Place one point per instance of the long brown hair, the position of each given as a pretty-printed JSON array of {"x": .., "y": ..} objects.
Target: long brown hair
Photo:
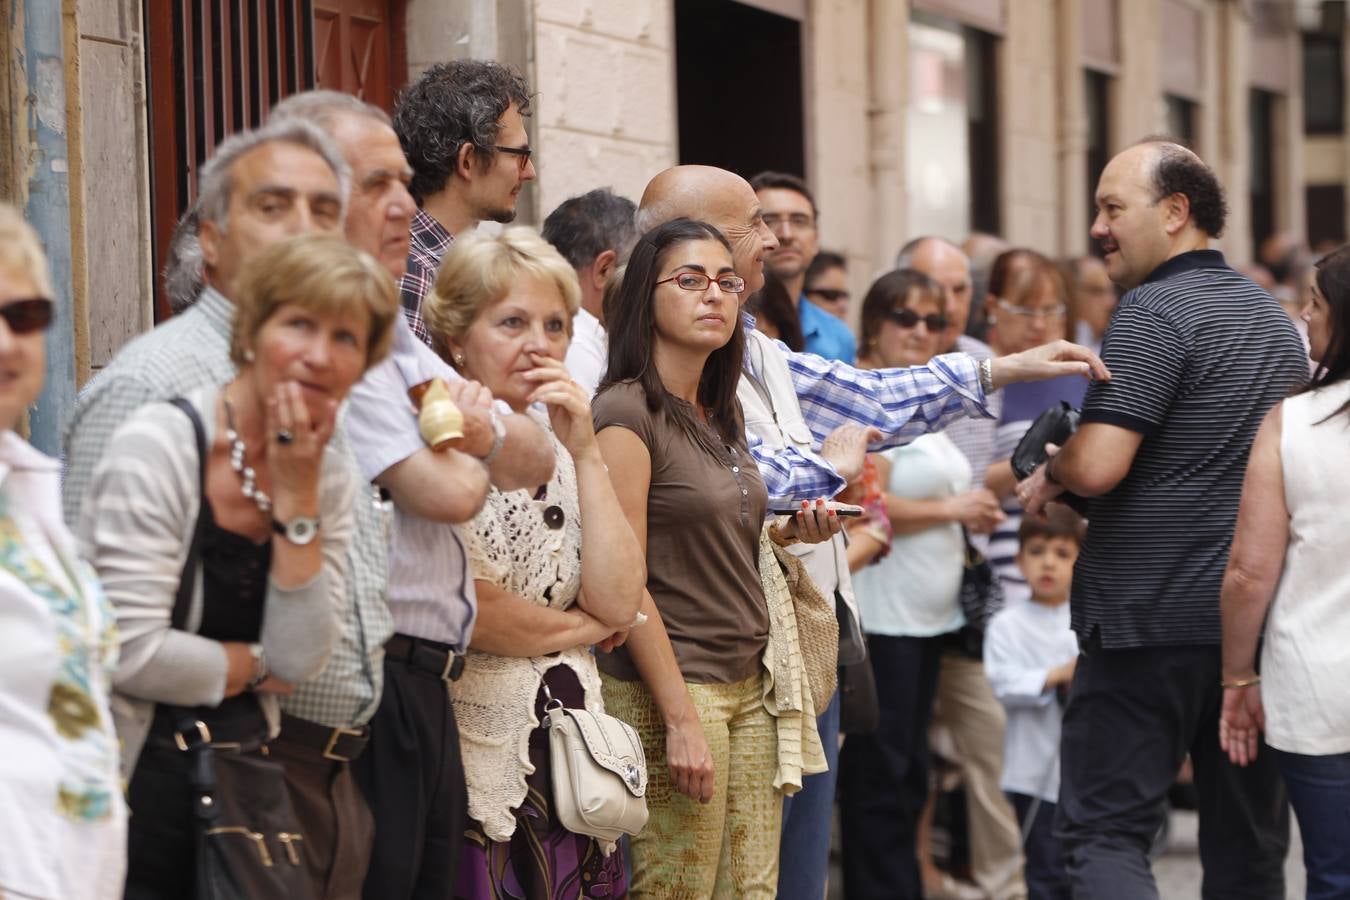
[
  {"x": 631, "y": 322},
  {"x": 1333, "y": 280}
]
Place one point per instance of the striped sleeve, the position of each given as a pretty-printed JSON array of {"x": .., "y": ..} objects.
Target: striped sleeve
[{"x": 1147, "y": 359}]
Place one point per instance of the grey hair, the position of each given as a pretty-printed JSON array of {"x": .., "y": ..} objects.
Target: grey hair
[
  {"x": 323, "y": 107},
  {"x": 584, "y": 227},
  {"x": 652, "y": 215},
  {"x": 453, "y": 104},
  {"x": 905, "y": 258},
  {"x": 184, "y": 272},
  {"x": 215, "y": 183}
]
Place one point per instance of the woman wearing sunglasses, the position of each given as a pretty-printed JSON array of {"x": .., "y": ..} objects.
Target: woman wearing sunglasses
[
  {"x": 910, "y": 599},
  {"x": 556, "y": 570},
  {"x": 62, "y": 820}
]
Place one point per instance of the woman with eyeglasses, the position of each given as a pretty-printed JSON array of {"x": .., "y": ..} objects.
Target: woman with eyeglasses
[
  {"x": 62, "y": 820},
  {"x": 1027, "y": 305},
  {"x": 692, "y": 679},
  {"x": 556, "y": 570},
  {"x": 909, "y": 599}
]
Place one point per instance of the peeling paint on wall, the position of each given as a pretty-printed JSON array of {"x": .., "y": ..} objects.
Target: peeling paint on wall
[{"x": 50, "y": 96}]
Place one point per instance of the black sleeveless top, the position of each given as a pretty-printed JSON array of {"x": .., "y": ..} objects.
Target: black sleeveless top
[{"x": 234, "y": 572}]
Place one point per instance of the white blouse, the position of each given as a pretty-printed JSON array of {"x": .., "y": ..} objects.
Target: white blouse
[
  {"x": 1307, "y": 648},
  {"x": 915, "y": 590},
  {"x": 62, "y": 819}
]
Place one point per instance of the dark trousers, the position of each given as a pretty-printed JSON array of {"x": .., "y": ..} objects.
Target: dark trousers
[
  {"x": 334, "y": 819},
  {"x": 1319, "y": 789},
  {"x": 804, "y": 851},
  {"x": 883, "y": 776},
  {"x": 1132, "y": 717},
  {"x": 413, "y": 778},
  {"x": 1047, "y": 879}
]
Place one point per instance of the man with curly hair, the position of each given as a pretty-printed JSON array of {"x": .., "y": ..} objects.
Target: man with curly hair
[
  {"x": 462, "y": 127},
  {"x": 1198, "y": 354}
]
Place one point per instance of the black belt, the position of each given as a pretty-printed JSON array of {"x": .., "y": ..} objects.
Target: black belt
[
  {"x": 336, "y": 744},
  {"x": 439, "y": 659}
]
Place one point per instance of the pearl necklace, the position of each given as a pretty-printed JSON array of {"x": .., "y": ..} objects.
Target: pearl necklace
[{"x": 247, "y": 476}]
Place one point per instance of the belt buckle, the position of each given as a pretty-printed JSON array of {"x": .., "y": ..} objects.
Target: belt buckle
[
  {"x": 333, "y": 738},
  {"x": 448, "y": 673}
]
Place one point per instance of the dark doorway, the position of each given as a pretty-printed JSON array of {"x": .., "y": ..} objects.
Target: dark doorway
[
  {"x": 1097, "y": 102},
  {"x": 982, "y": 129},
  {"x": 1261, "y": 122},
  {"x": 738, "y": 74},
  {"x": 1326, "y": 215}
]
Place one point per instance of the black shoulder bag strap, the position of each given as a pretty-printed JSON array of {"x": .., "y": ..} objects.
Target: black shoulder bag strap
[
  {"x": 187, "y": 581},
  {"x": 192, "y": 736}
]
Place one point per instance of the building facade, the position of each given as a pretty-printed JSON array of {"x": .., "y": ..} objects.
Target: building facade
[{"x": 907, "y": 116}]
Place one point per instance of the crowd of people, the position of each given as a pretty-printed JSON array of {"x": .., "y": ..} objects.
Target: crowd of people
[{"x": 335, "y": 555}]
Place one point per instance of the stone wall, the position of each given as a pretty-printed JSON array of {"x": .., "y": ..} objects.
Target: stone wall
[{"x": 605, "y": 76}]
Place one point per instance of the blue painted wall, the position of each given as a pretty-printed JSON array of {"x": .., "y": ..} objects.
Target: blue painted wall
[{"x": 48, "y": 207}]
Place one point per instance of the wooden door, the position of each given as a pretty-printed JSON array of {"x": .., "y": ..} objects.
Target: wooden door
[{"x": 358, "y": 48}]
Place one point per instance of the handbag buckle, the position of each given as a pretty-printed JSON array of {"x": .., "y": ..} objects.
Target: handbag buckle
[
  {"x": 203, "y": 733},
  {"x": 549, "y": 702}
]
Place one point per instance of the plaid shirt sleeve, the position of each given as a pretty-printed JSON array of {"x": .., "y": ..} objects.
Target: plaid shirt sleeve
[
  {"x": 99, "y": 411},
  {"x": 791, "y": 474},
  {"x": 901, "y": 403},
  {"x": 412, "y": 287}
]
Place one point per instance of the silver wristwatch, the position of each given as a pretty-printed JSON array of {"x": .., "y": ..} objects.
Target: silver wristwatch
[
  {"x": 300, "y": 530},
  {"x": 259, "y": 666}
]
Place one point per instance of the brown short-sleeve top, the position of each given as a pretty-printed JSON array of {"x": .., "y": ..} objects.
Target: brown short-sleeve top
[{"x": 704, "y": 515}]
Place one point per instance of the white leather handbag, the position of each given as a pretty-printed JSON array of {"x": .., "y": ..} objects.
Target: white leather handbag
[{"x": 599, "y": 773}]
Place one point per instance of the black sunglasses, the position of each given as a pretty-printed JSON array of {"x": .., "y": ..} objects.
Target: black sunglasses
[
  {"x": 26, "y": 316},
  {"x": 908, "y": 318},
  {"x": 830, "y": 294}
]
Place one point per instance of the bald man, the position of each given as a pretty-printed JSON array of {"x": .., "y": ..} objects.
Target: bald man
[
  {"x": 805, "y": 417},
  {"x": 1199, "y": 354}
]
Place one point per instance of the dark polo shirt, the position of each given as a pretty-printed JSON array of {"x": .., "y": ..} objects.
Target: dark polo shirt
[{"x": 1198, "y": 354}]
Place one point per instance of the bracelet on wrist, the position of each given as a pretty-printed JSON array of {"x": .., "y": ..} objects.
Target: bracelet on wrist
[
  {"x": 987, "y": 375},
  {"x": 1240, "y": 683}
]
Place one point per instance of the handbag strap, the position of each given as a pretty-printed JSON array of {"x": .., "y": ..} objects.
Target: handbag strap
[
  {"x": 188, "y": 579},
  {"x": 192, "y": 739}
]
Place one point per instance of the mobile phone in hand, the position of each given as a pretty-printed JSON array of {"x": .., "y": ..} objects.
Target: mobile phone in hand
[{"x": 840, "y": 509}]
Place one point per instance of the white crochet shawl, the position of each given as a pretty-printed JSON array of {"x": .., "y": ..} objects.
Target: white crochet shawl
[{"x": 510, "y": 546}]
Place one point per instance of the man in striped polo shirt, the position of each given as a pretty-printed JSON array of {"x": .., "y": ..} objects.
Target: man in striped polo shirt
[{"x": 1198, "y": 354}]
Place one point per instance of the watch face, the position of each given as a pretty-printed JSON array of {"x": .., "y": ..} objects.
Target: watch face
[{"x": 301, "y": 530}]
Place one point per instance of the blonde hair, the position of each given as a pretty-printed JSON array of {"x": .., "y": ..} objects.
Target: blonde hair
[
  {"x": 319, "y": 273},
  {"x": 479, "y": 270},
  {"x": 21, "y": 251}
]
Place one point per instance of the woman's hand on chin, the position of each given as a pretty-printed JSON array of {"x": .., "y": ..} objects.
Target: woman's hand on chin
[
  {"x": 569, "y": 407},
  {"x": 295, "y": 448}
]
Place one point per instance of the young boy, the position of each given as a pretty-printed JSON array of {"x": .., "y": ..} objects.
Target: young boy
[{"x": 1029, "y": 656}]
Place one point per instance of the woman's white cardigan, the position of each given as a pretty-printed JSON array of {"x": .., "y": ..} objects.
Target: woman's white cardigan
[{"x": 135, "y": 528}]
